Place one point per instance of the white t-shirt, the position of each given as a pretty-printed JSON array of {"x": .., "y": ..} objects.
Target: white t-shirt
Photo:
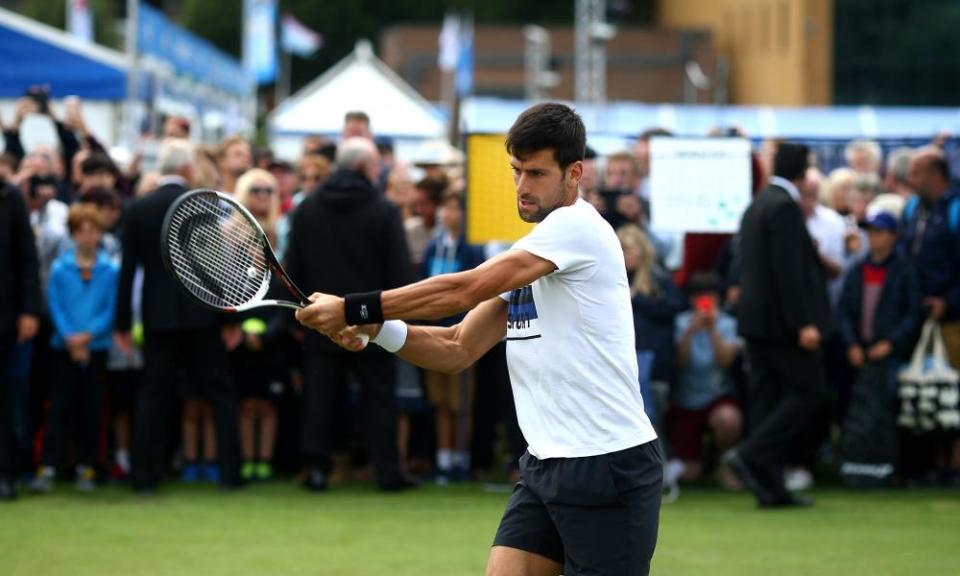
[{"x": 570, "y": 342}]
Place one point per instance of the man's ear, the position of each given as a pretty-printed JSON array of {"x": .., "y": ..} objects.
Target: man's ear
[{"x": 575, "y": 172}]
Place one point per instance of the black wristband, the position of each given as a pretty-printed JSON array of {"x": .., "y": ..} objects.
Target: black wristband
[{"x": 362, "y": 308}]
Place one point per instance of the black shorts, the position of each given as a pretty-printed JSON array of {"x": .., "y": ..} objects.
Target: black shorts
[{"x": 595, "y": 515}]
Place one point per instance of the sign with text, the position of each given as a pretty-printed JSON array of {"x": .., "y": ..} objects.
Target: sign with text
[{"x": 699, "y": 184}]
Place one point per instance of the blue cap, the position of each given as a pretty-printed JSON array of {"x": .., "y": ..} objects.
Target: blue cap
[{"x": 881, "y": 221}]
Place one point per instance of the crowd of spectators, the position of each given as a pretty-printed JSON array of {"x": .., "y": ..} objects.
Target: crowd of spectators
[{"x": 107, "y": 373}]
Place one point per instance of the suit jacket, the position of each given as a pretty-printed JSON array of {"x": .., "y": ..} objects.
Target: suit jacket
[
  {"x": 165, "y": 307},
  {"x": 782, "y": 283},
  {"x": 19, "y": 276}
]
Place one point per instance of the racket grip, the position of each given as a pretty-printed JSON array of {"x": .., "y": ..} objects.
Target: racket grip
[{"x": 364, "y": 338}]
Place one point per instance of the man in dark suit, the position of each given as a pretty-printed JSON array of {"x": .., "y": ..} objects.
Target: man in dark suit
[
  {"x": 19, "y": 310},
  {"x": 178, "y": 333},
  {"x": 345, "y": 238},
  {"x": 783, "y": 313}
]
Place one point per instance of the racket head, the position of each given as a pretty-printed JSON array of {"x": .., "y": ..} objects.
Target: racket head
[{"x": 217, "y": 252}]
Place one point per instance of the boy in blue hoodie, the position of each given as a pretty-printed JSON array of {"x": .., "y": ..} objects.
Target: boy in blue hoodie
[{"x": 81, "y": 293}]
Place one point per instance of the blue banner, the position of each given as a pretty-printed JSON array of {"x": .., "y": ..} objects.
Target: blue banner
[
  {"x": 188, "y": 54},
  {"x": 260, "y": 40}
]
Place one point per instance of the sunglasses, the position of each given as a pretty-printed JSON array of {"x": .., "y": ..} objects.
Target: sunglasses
[{"x": 261, "y": 190}]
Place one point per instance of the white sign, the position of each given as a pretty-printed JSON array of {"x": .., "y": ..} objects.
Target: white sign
[{"x": 699, "y": 184}]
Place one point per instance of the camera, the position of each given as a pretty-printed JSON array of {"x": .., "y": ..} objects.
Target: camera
[{"x": 40, "y": 95}]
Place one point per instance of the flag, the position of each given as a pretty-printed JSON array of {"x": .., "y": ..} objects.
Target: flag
[
  {"x": 260, "y": 40},
  {"x": 465, "y": 57},
  {"x": 80, "y": 19},
  {"x": 295, "y": 38},
  {"x": 449, "y": 43}
]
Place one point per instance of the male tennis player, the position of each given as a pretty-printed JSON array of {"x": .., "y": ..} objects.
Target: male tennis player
[{"x": 589, "y": 498}]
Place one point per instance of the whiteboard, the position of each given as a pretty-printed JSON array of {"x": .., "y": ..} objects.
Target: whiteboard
[{"x": 699, "y": 184}]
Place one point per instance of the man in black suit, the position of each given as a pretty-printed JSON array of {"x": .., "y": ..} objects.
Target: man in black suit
[
  {"x": 178, "y": 333},
  {"x": 345, "y": 238},
  {"x": 19, "y": 310},
  {"x": 783, "y": 313}
]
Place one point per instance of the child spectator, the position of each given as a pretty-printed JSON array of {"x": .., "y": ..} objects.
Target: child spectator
[
  {"x": 451, "y": 394},
  {"x": 258, "y": 362},
  {"x": 702, "y": 399},
  {"x": 81, "y": 294}
]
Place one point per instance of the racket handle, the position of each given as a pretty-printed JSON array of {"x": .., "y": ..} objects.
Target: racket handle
[{"x": 364, "y": 338}]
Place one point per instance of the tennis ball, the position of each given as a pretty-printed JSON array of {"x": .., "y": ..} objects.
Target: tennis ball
[{"x": 137, "y": 334}]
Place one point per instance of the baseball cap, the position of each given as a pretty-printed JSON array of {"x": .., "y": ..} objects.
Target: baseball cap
[{"x": 881, "y": 221}]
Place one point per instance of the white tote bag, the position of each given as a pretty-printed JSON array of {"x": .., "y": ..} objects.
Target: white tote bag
[{"x": 928, "y": 390}]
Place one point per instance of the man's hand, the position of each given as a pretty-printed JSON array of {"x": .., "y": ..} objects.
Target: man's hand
[
  {"x": 79, "y": 340},
  {"x": 855, "y": 356},
  {"x": 937, "y": 307},
  {"x": 123, "y": 341},
  {"x": 27, "y": 326},
  {"x": 24, "y": 107},
  {"x": 880, "y": 350},
  {"x": 809, "y": 338},
  {"x": 356, "y": 338},
  {"x": 324, "y": 314}
]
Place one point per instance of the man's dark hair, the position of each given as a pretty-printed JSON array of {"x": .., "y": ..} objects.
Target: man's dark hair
[
  {"x": 434, "y": 187},
  {"x": 791, "y": 161},
  {"x": 96, "y": 162},
  {"x": 548, "y": 126},
  {"x": 704, "y": 283}
]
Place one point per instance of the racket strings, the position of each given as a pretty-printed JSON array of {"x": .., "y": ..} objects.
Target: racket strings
[{"x": 216, "y": 253}]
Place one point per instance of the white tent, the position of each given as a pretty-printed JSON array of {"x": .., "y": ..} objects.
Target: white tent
[{"x": 358, "y": 82}]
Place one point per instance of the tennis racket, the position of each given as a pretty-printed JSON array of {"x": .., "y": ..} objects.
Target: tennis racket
[{"x": 220, "y": 256}]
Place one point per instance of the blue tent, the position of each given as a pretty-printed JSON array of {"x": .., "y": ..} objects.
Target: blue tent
[{"x": 36, "y": 54}]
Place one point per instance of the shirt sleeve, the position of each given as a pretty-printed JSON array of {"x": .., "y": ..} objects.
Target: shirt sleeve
[{"x": 564, "y": 238}]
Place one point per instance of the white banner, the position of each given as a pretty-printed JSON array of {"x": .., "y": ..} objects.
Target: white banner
[{"x": 699, "y": 184}]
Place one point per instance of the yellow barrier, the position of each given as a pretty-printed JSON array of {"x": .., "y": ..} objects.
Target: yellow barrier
[{"x": 491, "y": 196}]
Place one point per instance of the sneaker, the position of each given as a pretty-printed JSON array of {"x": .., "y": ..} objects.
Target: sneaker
[
  {"x": 264, "y": 471},
  {"x": 86, "y": 479},
  {"x": 248, "y": 470},
  {"x": 210, "y": 472},
  {"x": 798, "y": 480},
  {"x": 190, "y": 473},
  {"x": 43, "y": 481}
]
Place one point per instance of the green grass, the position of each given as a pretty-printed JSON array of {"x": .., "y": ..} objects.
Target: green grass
[{"x": 279, "y": 529}]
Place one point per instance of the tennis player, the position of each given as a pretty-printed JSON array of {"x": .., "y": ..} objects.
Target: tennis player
[{"x": 589, "y": 498}]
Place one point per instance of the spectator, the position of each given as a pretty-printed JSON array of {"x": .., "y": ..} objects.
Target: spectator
[
  {"x": 828, "y": 230},
  {"x": 864, "y": 156},
  {"x": 48, "y": 216},
  {"x": 400, "y": 190},
  {"x": 97, "y": 171},
  {"x": 783, "y": 311},
  {"x": 178, "y": 333},
  {"x": 896, "y": 180},
  {"x": 258, "y": 362},
  {"x": 621, "y": 173},
  {"x": 356, "y": 124},
  {"x": 931, "y": 241},
  {"x": 422, "y": 226},
  {"x": 8, "y": 168},
  {"x": 19, "y": 314},
  {"x": 287, "y": 183},
  {"x": 81, "y": 296},
  {"x": 347, "y": 238},
  {"x": 176, "y": 127},
  {"x": 205, "y": 172},
  {"x": 703, "y": 397},
  {"x": 656, "y": 302},
  {"x": 880, "y": 307},
  {"x": 590, "y": 181},
  {"x": 234, "y": 157},
  {"x": 451, "y": 394},
  {"x": 314, "y": 171},
  {"x": 838, "y": 190}
]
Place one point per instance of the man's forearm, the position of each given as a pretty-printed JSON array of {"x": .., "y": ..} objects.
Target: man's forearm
[
  {"x": 435, "y": 348},
  {"x": 437, "y": 297}
]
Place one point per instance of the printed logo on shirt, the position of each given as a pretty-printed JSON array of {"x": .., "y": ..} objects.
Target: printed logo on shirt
[{"x": 522, "y": 315}]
